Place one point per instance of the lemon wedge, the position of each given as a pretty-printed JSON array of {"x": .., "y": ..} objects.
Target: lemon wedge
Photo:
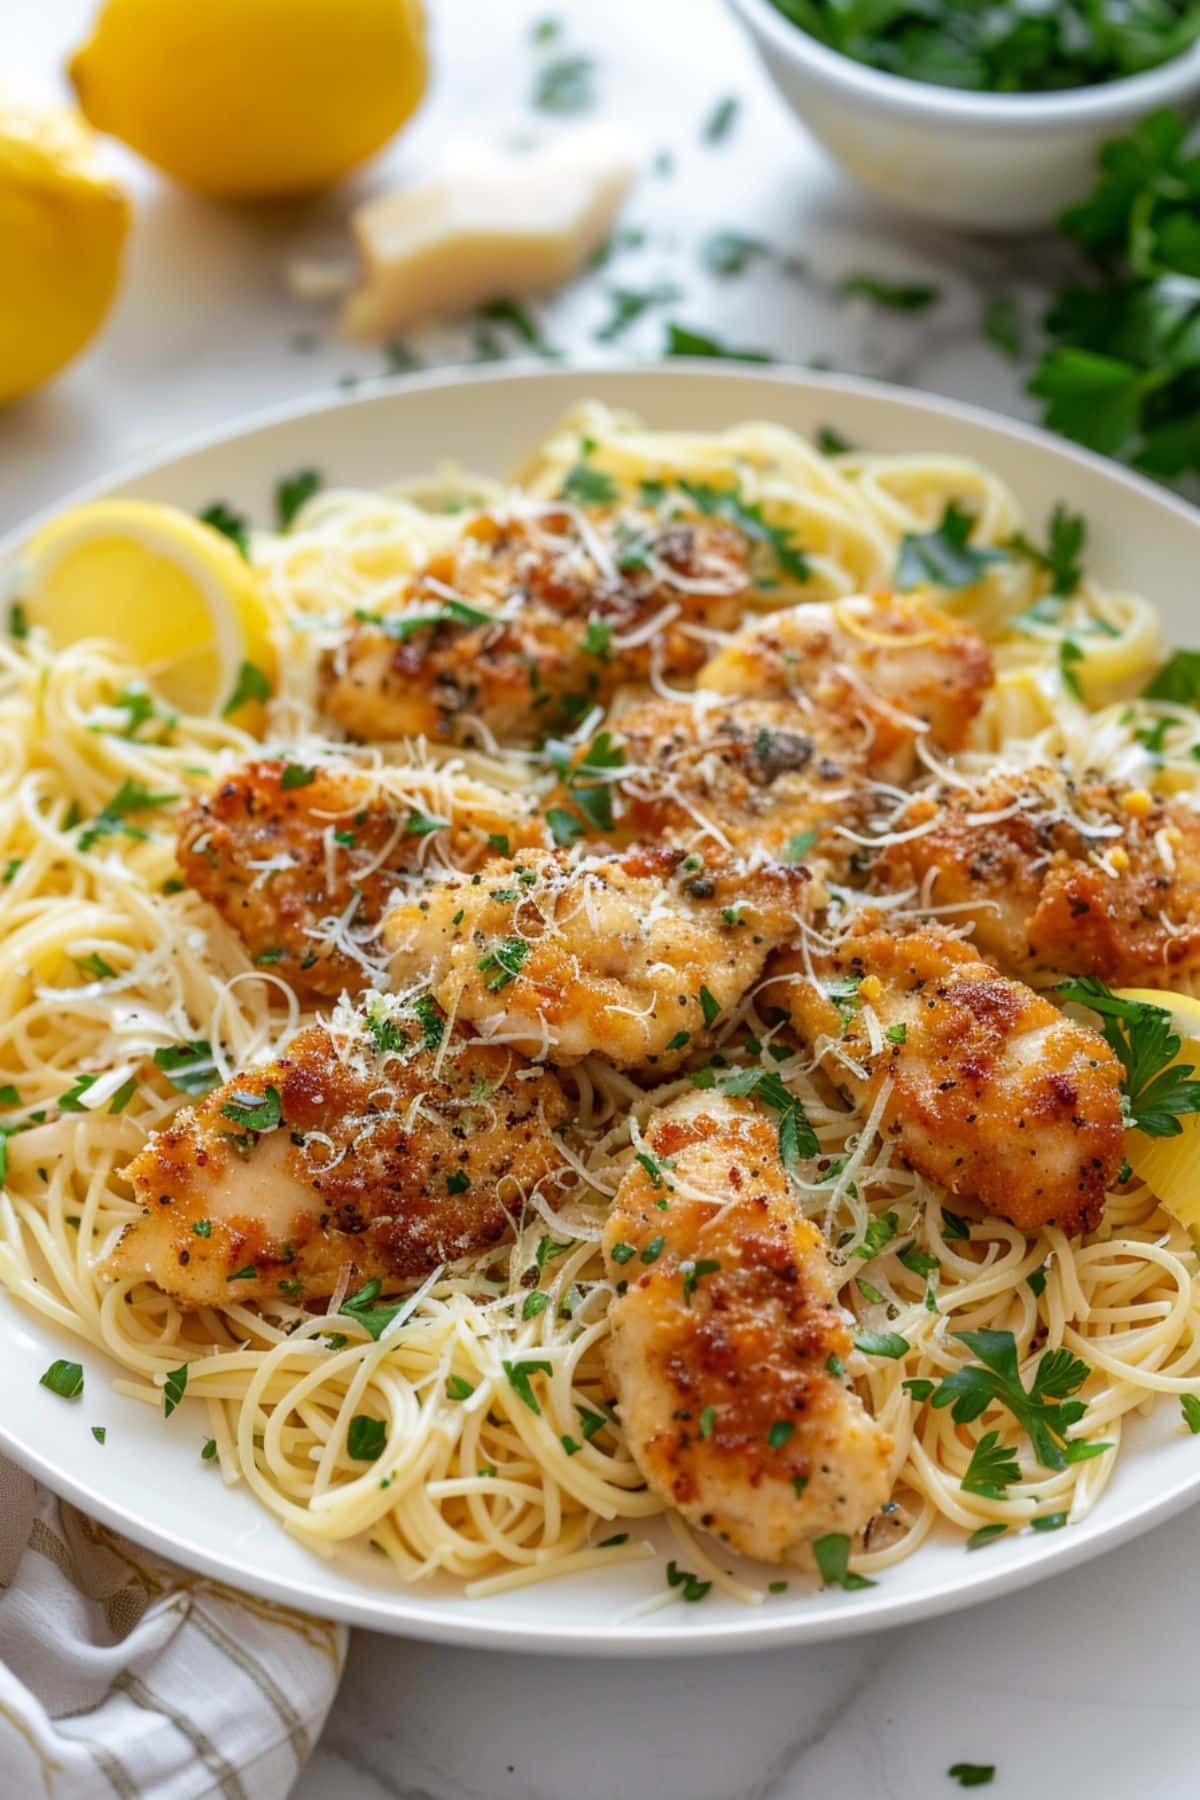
[
  {"x": 1170, "y": 1167},
  {"x": 173, "y": 593}
]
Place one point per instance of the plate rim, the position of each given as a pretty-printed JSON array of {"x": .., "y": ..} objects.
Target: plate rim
[{"x": 410, "y": 1613}]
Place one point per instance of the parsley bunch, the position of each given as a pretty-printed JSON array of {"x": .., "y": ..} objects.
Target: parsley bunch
[
  {"x": 1002, "y": 46},
  {"x": 1123, "y": 372}
]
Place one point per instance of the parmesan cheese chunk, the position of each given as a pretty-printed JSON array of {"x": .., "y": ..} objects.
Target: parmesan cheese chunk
[{"x": 490, "y": 225}]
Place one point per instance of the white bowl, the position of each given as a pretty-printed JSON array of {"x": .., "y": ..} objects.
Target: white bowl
[{"x": 986, "y": 162}]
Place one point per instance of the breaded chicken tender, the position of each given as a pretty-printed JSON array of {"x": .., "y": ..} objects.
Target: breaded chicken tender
[
  {"x": 302, "y": 861},
  {"x": 635, "y": 956},
  {"x": 749, "y": 775},
  {"x": 532, "y": 618},
  {"x": 1085, "y": 878},
  {"x": 993, "y": 1092},
  {"x": 361, "y": 1154},
  {"x": 872, "y": 674},
  {"x": 726, "y": 1333}
]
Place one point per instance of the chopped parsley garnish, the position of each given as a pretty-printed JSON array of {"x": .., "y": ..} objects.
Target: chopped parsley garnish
[
  {"x": 1069, "y": 653},
  {"x": 233, "y": 525},
  {"x": 295, "y": 775},
  {"x": 130, "y": 797},
  {"x": 421, "y": 824},
  {"x": 748, "y": 517},
  {"x": 986, "y": 1534},
  {"x": 503, "y": 963},
  {"x": 628, "y": 306},
  {"x": 361, "y": 1306},
  {"x": 565, "y": 828},
  {"x": 971, "y": 1775},
  {"x": 832, "y": 1555},
  {"x": 64, "y": 1379},
  {"x": 1048, "y": 1522},
  {"x": 693, "y": 1272},
  {"x": 94, "y": 964},
  {"x": 594, "y": 799},
  {"x": 123, "y": 1095},
  {"x": 691, "y": 1587},
  {"x": 622, "y": 1253},
  {"x": 565, "y": 85},
  {"x": 407, "y": 625},
  {"x": 708, "y": 1421},
  {"x": 292, "y": 492},
  {"x": 597, "y": 640},
  {"x": 174, "y": 1388},
  {"x": 72, "y": 1100},
  {"x": 208, "y": 1450},
  {"x": 1066, "y": 536},
  {"x": 202, "y": 1227},
  {"x": 945, "y": 557},
  {"x": 831, "y": 442},
  {"x": 721, "y": 120},
  {"x": 518, "y": 1379},
  {"x": 433, "y": 1024},
  {"x": 954, "y": 1226},
  {"x": 731, "y": 252},
  {"x": 252, "y": 684},
  {"x": 1045, "y": 1410},
  {"x": 1178, "y": 680},
  {"x": 458, "y": 1181},
  {"x": 710, "y": 1007},
  {"x": 1037, "y": 1281},
  {"x": 100, "y": 1433},
  {"x": 909, "y": 297},
  {"x": 366, "y": 1438},
  {"x": 993, "y": 1467},
  {"x": 18, "y": 622},
  {"x": 1157, "y": 1091},
  {"x": 683, "y": 341},
  {"x": 799, "y": 846},
  {"x": 549, "y": 1248},
  {"x": 797, "y": 1139},
  {"x": 591, "y": 1422},
  {"x": 896, "y": 1034},
  {"x": 881, "y": 1343},
  {"x": 589, "y": 487},
  {"x": 679, "y": 1040},
  {"x": 654, "y": 1249},
  {"x": 534, "y": 1303},
  {"x": 878, "y": 1235},
  {"x": 1190, "y": 1407},
  {"x": 255, "y": 1112},
  {"x": 780, "y": 1433},
  {"x": 189, "y": 1066},
  {"x": 458, "y": 1388}
]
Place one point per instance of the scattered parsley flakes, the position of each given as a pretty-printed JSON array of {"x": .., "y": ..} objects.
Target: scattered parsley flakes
[
  {"x": 292, "y": 492},
  {"x": 174, "y": 1388},
  {"x": 895, "y": 297},
  {"x": 589, "y": 487},
  {"x": 944, "y": 557},
  {"x": 969, "y": 1775},
  {"x": 518, "y": 1374},
  {"x": 1190, "y": 1407},
  {"x": 100, "y": 1433},
  {"x": 503, "y": 963},
  {"x": 682, "y": 340},
  {"x": 832, "y": 1555},
  {"x": 189, "y": 1066},
  {"x": 252, "y": 685},
  {"x": 882, "y": 1343},
  {"x": 566, "y": 85},
  {"x": 232, "y": 525},
  {"x": 721, "y": 120},
  {"x": 366, "y": 1438},
  {"x": 64, "y": 1379},
  {"x": 993, "y": 1468},
  {"x": 255, "y": 1112},
  {"x": 295, "y": 775}
]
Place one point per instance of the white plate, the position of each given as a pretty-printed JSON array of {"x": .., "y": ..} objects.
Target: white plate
[{"x": 148, "y": 1480}]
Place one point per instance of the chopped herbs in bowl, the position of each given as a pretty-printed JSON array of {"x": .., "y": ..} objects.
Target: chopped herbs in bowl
[{"x": 1002, "y": 46}]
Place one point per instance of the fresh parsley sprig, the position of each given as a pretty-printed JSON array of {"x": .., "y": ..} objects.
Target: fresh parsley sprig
[
  {"x": 1045, "y": 1411},
  {"x": 1158, "y": 1091}
]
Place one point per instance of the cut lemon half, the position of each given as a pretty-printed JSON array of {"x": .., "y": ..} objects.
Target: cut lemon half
[
  {"x": 172, "y": 592},
  {"x": 1170, "y": 1167}
]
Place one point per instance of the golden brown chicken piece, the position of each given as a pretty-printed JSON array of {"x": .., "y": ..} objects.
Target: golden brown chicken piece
[
  {"x": 361, "y": 1153},
  {"x": 636, "y": 956},
  {"x": 725, "y": 1333},
  {"x": 531, "y": 619},
  {"x": 871, "y": 674},
  {"x": 1080, "y": 879},
  {"x": 302, "y": 861},
  {"x": 994, "y": 1093},
  {"x": 753, "y": 775}
]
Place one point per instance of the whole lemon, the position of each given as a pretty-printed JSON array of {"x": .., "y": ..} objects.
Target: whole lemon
[
  {"x": 253, "y": 99},
  {"x": 62, "y": 228}
]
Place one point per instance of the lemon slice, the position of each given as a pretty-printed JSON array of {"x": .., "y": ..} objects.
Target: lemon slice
[
  {"x": 173, "y": 593},
  {"x": 1170, "y": 1167}
]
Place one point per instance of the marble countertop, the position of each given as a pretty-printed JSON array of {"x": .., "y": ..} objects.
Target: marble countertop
[{"x": 1084, "y": 1684}]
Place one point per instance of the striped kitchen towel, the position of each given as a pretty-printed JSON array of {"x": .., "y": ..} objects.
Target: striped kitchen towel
[{"x": 122, "y": 1675}]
